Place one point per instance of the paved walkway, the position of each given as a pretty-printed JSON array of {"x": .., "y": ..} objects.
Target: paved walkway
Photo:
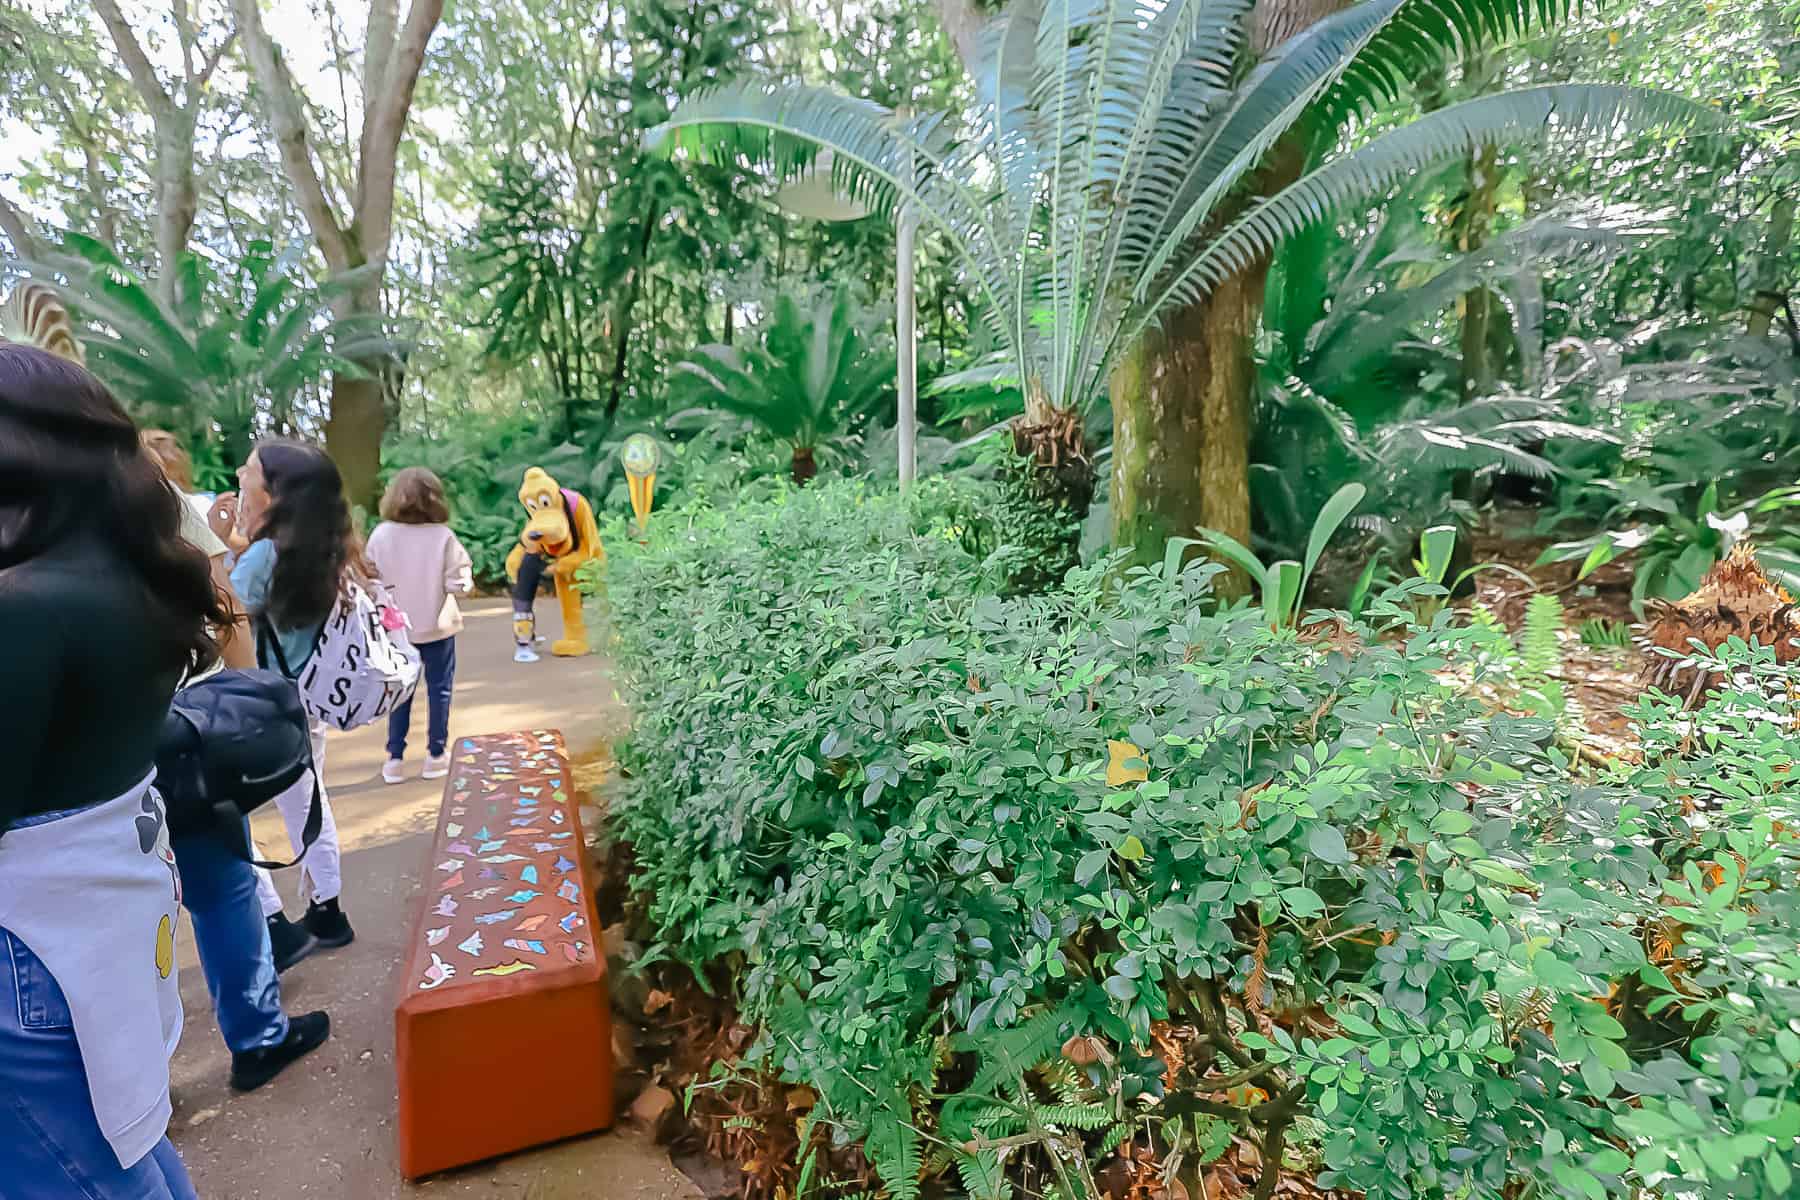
[{"x": 325, "y": 1128}]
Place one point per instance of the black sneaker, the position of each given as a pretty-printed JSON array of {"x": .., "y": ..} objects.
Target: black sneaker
[
  {"x": 290, "y": 941},
  {"x": 327, "y": 922},
  {"x": 253, "y": 1068}
]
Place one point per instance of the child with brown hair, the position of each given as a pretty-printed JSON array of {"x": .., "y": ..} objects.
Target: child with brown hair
[{"x": 418, "y": 555}]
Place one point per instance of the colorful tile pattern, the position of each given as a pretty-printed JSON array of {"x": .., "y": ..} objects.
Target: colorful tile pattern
[{"x": 512, "y": 788}]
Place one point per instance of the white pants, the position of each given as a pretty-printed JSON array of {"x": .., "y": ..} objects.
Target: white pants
[{"x": 320, "y": 877}]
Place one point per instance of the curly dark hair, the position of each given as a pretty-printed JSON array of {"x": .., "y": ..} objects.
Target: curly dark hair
[
  {"x": 308, "y": 519},
  {"x": 415, "y": 496},
  {"x": 71, "y": 465}
]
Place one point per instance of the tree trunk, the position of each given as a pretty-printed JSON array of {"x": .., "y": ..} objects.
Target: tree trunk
[
  {"x": 1181, "y": 422},
  {"x": 1472, "y": 226},
  {"x": 20, "y": 230},
  {"x": 177, "y": 197},
  {"x": 353, "y": 435},
  {"x": 804, "y": 466},
  {"x": 622, "y": 325},
  {"x": 359, "y": 414}
]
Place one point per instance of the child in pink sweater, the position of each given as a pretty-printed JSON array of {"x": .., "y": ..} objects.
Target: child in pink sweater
[{"x": 417, "y": 555}]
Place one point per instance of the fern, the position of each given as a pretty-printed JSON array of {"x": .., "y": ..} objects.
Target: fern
[
  {"x": 983, "y": 1176},
  {"x": 1540, "y": 645},
  {"x": 893, "y": 1149},
  {"x": 1086, "y": 1117},
  {"x": 1540, "y": 657},
  {"x": 1605, "y": 634},
  {"x": 1008, "y": 1054}
]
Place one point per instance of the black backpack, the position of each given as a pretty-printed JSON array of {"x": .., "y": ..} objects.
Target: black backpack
[{"x": 231, "y": 743}]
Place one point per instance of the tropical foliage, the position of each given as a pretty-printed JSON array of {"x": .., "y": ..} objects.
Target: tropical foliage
[
  {"x": 1170, "y": 869},
  {"x": 1095, "y": 183},
  {"x": 242, "y": 351},
  {"x": 809, "y": 378}
]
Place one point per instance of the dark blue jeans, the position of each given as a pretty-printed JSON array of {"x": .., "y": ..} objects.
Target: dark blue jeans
[
  {"x": 219, "y": 892},
  {"x": 51, "y": 1147},
  {"x": 439, "y": 662}
]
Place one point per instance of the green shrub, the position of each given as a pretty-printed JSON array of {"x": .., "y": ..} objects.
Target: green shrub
[{"x": 927, "y": 835}]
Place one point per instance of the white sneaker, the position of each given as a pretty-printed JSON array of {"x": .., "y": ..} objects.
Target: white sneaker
[
  {"x": 525, "y": 654},
  {"x": 393, "y": 771},
  {"x": 436, "y": 766}
]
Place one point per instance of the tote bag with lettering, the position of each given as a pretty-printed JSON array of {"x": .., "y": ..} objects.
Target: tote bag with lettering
[{"x": 363, "y": 663}]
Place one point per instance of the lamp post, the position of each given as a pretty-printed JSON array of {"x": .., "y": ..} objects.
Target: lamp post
[{"x": 812, "y": 195}]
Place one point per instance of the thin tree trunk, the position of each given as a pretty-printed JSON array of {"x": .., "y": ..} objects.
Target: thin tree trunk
[
  {"x": 177, "y": 197},
  {"x": 20, "y": 230},
  {"x": 1772, "y": 272},
  {"x": 622, "y": 326}
]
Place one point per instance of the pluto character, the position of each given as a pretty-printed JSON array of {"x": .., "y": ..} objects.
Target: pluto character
[{"x": 560, "y": 534}]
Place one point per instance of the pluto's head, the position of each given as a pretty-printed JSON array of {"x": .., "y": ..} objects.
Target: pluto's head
[{"x": 547, "y": 525}]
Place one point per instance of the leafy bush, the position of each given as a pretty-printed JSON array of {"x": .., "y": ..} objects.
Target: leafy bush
[{"x": 1294, "y": 883}]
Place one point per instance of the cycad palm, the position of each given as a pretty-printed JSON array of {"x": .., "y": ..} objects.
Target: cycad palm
[
  {"x": 1099, "y": 181},
  {"x": 813, "y": 375}
]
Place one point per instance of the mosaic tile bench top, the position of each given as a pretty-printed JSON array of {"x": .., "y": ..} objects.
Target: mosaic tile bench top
[{"x": 504, "y": 895}]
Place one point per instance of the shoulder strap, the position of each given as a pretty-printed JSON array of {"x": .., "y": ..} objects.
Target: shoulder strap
[
  {"x": 229, "y": 817},
  {"x": 266, "y": 639}
]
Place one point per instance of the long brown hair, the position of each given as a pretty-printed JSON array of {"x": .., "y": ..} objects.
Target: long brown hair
[
  {"x": 308, "y": 519},
  {"x": 71, "y": 465}
]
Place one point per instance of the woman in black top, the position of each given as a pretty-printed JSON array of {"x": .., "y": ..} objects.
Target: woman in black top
[{"x": 103, "y": 609}]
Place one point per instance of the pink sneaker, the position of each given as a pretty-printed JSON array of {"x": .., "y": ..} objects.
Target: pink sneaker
[{"x": 436, "y": 767}]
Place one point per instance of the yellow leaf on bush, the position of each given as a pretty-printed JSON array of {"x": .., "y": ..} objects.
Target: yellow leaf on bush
[
  {"x": 1131, "y": 850},
  {"x": 1117, "y": 773}
]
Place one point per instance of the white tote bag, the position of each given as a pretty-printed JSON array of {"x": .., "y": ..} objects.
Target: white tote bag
[{"x": 363, "y": 664}]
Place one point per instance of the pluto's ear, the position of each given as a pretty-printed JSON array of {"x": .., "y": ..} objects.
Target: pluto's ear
[{"x": 34, "y": 316}]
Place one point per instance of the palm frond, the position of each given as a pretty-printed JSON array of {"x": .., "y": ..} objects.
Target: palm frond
[
  {"x": 1266, "y": 108},
  {"x": 1568, "y": 111},
  {"x": 1423, "y": 36}
]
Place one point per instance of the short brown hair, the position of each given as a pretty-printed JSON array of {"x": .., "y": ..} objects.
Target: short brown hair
[
  {"x": 415, "y": 497},
  {"x": 171, "y": 456}
]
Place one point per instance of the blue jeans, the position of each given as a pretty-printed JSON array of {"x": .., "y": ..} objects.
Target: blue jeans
[
  {"x": 219, "y": 892},
  {"x": 439, "y": 662},
  {"x": 50, "y": 1141}
]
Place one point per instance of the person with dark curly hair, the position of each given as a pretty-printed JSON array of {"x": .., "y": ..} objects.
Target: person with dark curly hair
[
  {"x": 302, "y": 547},
  {"x": 105, "y": 608}
]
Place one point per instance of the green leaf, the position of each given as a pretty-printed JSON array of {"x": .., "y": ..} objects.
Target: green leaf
[
  {"x": 1437, "y": 548},
  {"x": 1090, "y": 865},
  {"x": 1598, "y": 1077},
  {"x": 1303, "y": 902},
  {"x": 1327, "y": 844},
  {"x": 1452, "y": 821},
  {"x": 1501, "y": 873},
  {"x": 1335, "y": 511},
  {"x": 1775, "y": 1168}
]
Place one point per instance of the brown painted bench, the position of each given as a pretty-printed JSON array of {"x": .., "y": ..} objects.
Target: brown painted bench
[{"x": 503, "y": 1032}]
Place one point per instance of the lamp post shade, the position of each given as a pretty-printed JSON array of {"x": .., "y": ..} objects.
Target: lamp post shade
[{"x": 811, "y": 195}]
